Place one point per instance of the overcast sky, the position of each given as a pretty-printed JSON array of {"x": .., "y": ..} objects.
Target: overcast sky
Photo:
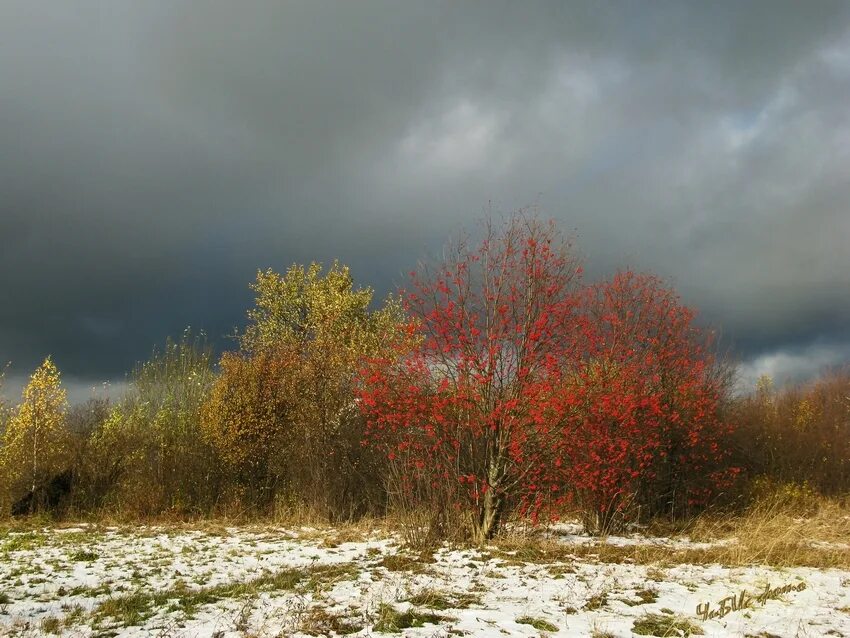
[{"x": 154, "y": 154}]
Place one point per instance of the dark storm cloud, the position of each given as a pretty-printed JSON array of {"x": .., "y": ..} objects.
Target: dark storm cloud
[{"x": 153, "y": 155}]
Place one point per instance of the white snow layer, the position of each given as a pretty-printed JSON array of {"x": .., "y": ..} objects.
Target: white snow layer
[{"x": 93, "y": 581}]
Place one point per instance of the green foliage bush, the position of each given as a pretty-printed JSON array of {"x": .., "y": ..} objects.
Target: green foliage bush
[{"x": 149, "y": 451}]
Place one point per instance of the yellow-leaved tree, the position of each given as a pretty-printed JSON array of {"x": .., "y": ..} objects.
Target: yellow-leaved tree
[
  {"x": 35, "y": 443},
  {"x": 4, "y": 418},
  {"x": 284, "y": 407},
  {"x": 4, "y": 411}
]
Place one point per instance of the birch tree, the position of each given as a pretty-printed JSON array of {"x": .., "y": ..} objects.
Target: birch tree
[{"x": 35, "y": 440}]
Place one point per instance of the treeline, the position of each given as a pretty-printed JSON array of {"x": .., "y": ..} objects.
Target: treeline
[
  {"x": 797, "y": 437},
  {"x": 271, "y": 426},
  {"x": 498, "y": 384}
]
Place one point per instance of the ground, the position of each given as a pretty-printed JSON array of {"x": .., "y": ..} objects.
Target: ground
[{"x": 260, "y": 581}]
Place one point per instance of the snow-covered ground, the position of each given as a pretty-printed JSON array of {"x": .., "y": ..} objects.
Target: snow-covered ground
[{"x": 260, "y": 582}]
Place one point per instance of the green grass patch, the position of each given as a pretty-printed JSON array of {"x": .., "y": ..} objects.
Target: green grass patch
[
  {"x": 23, "y": 541},
  {"x": 663, "y": 625},
  {"x": 540, "y": 624},
  {"x": 128, "y": 611},
  {"x": 77, "y": 538},
  {"x": 84, "y": 556},
  {"x": 104, "y": 589},
  {"x": 132, "y": 609},
  {"x": 391, "y": 620}
]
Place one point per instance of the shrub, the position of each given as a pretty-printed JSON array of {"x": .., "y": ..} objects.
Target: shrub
[
  {"x": 642, "y": 433},
  {"x": 799, "y": 434},
  {"x": 248, "y": 418},
  {"x": 94, "y": 474},
  {"x": 151, "y": 442}
]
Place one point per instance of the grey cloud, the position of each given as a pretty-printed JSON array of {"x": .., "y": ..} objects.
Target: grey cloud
[
  {"x": 793, "y": 365},
  {"x": 153, "y": 155},
  {"x": 78, "y": 390}
]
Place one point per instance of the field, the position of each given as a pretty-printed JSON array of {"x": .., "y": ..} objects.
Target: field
[{"x": 219, "y": 580}]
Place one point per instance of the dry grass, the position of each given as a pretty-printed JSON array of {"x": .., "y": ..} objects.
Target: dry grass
[
  {"x": 441, "y": 600},
  {"x": 407, "y": 563},
  {"x": 308, "y": 527},
  {"x": 755, "y": 551},
  {"x": 317, "y": 621},
  {"x": 773, "y": 531},
  {"x": 769, "y": 533}
]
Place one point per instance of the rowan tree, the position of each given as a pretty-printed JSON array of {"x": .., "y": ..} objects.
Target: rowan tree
[
  {"x": 35, "y": 441},
  {"x": 467, "y": 408},
  {"x": 642, "y": 432}
]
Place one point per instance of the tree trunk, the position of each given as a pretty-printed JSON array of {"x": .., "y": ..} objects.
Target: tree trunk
[
  {"x": 490, "y": 516},
  {"x": 34, "y": 454}
]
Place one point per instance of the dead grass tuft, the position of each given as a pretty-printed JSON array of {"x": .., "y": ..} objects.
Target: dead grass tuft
[
  {"x": 440, "y": 600},
  {"x": 318, "y": 621},
  {"x": 407, "y": 562},
  {"x": 662, "y": 625}
]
